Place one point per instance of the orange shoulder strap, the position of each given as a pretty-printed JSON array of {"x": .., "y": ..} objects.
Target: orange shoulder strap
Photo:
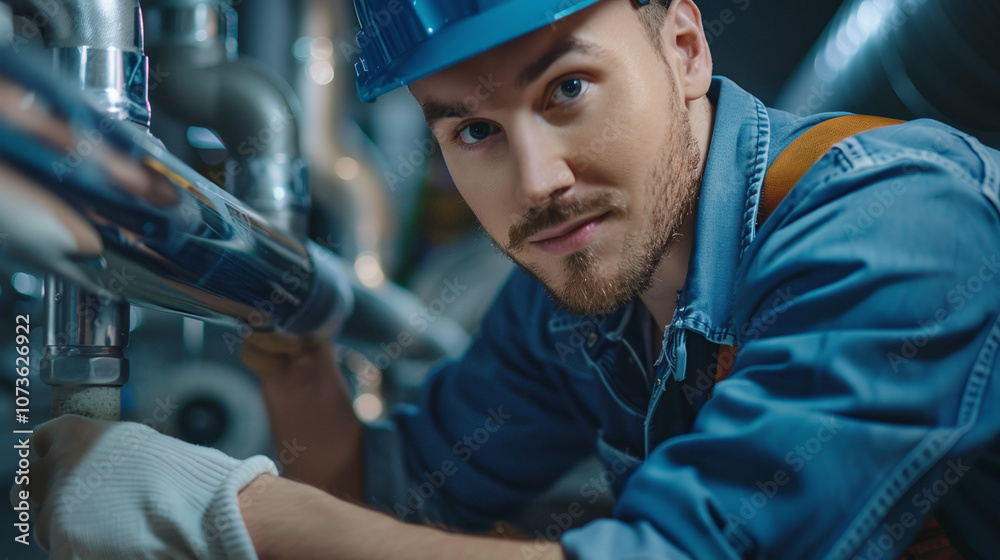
[
  {"x": 788, "y": 168},
  {"x": 792, "y": 163},
  {"x": 785, "y": 171}
]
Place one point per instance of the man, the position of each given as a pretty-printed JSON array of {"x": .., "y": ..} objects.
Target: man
[{"x": 864, "y": 311}]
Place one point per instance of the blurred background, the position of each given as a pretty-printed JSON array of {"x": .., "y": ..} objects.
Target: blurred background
[{"x": 383, "y": 200}]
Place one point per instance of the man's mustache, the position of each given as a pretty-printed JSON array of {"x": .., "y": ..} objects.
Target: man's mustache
[{"x": 561, "y": 211}]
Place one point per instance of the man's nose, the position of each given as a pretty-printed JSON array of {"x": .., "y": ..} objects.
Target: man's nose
[{"x": 543, "y": 168}]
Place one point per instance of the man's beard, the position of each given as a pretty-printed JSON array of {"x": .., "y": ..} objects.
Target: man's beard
[{"x": 670, "y": 194}]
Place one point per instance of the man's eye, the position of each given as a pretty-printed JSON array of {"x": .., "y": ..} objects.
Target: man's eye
[
  {"x": 569, "y": 89},
  {"x": 475, "y": 132}
]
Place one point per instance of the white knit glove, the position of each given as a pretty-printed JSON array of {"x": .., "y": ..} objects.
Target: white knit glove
[{"x": 123, "y": 490}]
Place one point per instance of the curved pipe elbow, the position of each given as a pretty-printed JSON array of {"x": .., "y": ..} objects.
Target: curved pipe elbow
[
  {"x": 260, "y": 116},
  {"x": 250, "y": 110},
  {"x": 256, "y": 116}
]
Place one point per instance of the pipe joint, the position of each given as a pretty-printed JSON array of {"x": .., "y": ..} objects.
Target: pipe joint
[
  {"x": 97, "y": 366},
  {"x": 114, "y": 80}
]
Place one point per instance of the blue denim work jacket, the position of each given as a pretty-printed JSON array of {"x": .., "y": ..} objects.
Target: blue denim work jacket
[{"x": 866, "y": 314}]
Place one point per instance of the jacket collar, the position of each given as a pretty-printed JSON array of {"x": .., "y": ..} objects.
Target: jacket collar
[{"x": 727, "y": 211}]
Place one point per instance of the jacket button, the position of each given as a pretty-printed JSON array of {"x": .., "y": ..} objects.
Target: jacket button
[
  {"x": 591, "y": 340},
  {"x": 657, "y": 381}
]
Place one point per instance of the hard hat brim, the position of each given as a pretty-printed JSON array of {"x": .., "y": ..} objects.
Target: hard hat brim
[{"x": 463, "y": 39}]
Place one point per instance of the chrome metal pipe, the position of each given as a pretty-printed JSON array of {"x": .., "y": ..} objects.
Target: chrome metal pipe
[
  {"x": 97, "y": 46},
  {"x": 113, "y": 79},
  {"x": 181, "y": 244},
  {"x": 192, "y": 44},
  {"x": 91, "y": 23},
  {"x": 938, "y": 59},
  {"x": 85, "y": 337}
]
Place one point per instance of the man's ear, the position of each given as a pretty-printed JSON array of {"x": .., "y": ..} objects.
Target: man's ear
[{"x": 685, "y": 36}]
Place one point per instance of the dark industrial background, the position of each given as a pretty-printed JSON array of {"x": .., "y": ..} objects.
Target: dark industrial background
[{"x": 899, "y": 58}]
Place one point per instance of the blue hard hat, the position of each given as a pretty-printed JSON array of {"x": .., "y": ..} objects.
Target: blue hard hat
[{"x": 403, "y": 41}]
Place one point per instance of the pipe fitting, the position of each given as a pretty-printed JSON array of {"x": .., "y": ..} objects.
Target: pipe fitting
[
  {"x": 100, "y": 367},
  {"x": 251, "y": 109},
  {"x": 98, "y": 45}
]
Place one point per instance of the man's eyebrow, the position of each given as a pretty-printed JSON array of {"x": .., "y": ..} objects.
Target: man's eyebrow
[
  {"x": 564, "y": 47},
  {"x": 435, "y": 110}
]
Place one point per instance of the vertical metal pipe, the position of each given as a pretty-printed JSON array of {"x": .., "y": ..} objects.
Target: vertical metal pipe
[
  {"x": 85, "y": 335},
  {"x": 251, "y": 109},
  {"x": 98, "y": 46}
]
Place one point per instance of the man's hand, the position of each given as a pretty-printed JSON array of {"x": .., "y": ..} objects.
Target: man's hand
[
  {"x": 122, "y": 490},
  {"x": 308, "y": 400},
  {"x": 278, "y": 355},
  {"x": 45, "y": 229}
]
